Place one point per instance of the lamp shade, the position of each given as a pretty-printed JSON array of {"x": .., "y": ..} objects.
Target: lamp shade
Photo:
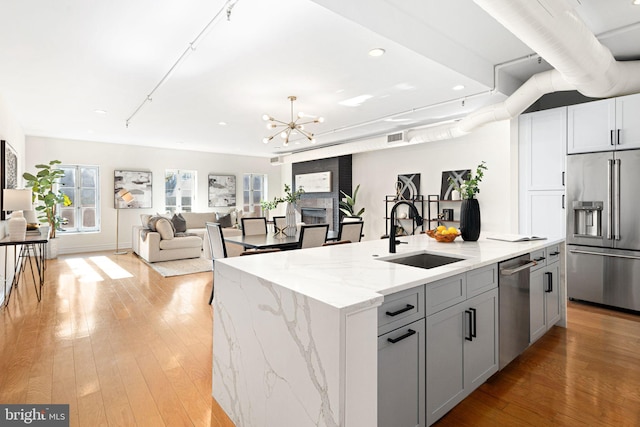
[
  {"x": 17, "y": 200},
  {"x": 125, "y": 195}
]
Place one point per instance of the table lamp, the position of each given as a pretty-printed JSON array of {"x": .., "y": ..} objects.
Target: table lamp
[
  {"x": 17, "y": 200},
  {"x": 124, "y": 195}
]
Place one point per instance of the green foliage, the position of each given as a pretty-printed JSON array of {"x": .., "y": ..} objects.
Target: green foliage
[
  {"x": 469, "y": 188},
  {"x": 347, "y": 206},
  {"x": 290, "y": 197},
  {"x": 43, "y": 185}
]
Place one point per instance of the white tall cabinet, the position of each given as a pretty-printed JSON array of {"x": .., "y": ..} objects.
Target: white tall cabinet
[{"x": 542, "y": 158}]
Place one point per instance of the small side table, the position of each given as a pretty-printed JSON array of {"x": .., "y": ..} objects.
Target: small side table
[{"x": 33, "y": 251}]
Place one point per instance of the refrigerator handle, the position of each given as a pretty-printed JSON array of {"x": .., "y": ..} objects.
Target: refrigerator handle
[
  {"x": 611, "y": 138},
  {"x": 616, "y": 199},
  {"x": 609, "y": 197}
]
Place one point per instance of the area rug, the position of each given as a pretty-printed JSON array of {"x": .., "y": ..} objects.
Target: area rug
[{"x": 182, "y": 266}]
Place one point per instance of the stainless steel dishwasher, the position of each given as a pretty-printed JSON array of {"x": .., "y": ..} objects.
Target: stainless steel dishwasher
[{"x": 514, "y": 307}]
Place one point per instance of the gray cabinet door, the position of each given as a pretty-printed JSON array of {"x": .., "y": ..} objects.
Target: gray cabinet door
[
  {"x": 537, "y": 323},
  {"x": 445, "y": 360},
  {"x": 552, "y": 296},
  {"x": 401, "y": 379},
  {"x": 481, "y": 354}
]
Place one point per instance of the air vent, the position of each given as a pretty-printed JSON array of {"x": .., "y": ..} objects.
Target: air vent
[
  {"x": 396, "y": 137},
  {"x": 275, "y": 161}
]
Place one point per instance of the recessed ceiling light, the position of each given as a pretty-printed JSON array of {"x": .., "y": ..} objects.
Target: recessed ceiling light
[
  {"x": 100, "y": 111},
  {"x": 635, "y": 2},
  {"x": 222, "y": 123},
  {"x": 378, "y": 51},
  {"x": 458, "y": 87}
]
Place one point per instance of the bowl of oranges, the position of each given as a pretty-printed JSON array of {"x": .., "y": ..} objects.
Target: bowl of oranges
[{"x": 444, "y": 234}]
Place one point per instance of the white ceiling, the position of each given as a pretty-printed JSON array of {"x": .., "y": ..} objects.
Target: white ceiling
[{"x": 62, "y": 60}]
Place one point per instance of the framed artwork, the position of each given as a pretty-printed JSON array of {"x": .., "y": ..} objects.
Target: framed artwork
[
  {"x": 458, "y": 176},
  {"x": 138, "y": 183},
  {"x": 408, "y": 186},
  {"x": 8, "y": 172},
  {"x": 319, "y": 182},
  {"x": 222, "y": 190}
]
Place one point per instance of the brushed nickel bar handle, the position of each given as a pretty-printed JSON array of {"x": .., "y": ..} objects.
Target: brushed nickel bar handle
[
  {"x": 512, "y": 271},
  {"x": 576, "y": 251}
]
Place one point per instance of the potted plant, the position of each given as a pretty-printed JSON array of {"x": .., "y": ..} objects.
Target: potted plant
[
  {"x": 43, "y": 185},
  {"x": 347, "y": 205},
  {"x": 470, "y": 209},
  {"x": 290, "y": 197}
]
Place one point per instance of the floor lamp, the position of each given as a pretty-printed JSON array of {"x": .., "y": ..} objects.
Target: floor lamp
[{"x": 124, "y": 195}]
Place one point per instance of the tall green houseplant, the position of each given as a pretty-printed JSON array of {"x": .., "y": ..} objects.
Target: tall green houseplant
[
  {"x": 44, "y": 187},
  {"x": 347, "y": 205}
]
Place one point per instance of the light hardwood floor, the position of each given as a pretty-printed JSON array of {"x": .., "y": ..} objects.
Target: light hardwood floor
[{"x": 124, "y": 347}]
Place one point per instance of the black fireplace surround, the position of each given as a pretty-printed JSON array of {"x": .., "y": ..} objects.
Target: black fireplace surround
[{"x": 314, "y": 203}]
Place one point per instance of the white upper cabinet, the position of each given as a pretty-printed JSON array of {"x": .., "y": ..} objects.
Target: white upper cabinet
[
  {"x": 543, "y": 142},
  {"x": 591, "y": 126},
  {"x": 627, "y": 122},
  {"x": 608, "y": 124}
]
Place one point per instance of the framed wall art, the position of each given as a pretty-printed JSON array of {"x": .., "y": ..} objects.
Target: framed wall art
[
  {"x": 8, "y": 172},
  {"x": 318, "y": 182},
  {"x": 138, "y": 183},
  {"x": 408, "y": 186},
  {"x": 222, "y": 190},
  {"x": 458, "y": 176}
]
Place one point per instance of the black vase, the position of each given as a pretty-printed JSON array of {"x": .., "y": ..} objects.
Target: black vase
[{"x": 470, "y": 220}]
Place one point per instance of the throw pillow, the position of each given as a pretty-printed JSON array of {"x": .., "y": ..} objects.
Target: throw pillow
[
  {"x": 225, "y": 221},
  {"x": 165, "y": 228},
  {"x": 144, "y": 219},
  {"x": 179, "y": 223}
]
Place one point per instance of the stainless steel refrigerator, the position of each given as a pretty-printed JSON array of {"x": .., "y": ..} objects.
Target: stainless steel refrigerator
[{"x": 603, "y": 228}]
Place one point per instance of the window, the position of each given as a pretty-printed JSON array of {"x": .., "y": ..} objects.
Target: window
[
  {"x": 180, "y": 190},
  {"x": 81, "y": 184},
  {"x": 254, "y": 189}
]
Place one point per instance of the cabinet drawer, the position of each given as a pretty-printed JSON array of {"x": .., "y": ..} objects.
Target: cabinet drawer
[
  {"x": 400, "y": 309},
  {"x": 445, "y": 293},
  {"x": 482, "y": 280},
  {"x": 553, "y": 254},
  {"x": 540, "y": 256}
]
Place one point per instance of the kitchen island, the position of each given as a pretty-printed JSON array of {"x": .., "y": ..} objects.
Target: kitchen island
[{"x": 296, "y": 333}]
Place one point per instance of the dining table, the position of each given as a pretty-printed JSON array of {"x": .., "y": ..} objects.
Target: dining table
[{"x": 272, "y": 240}]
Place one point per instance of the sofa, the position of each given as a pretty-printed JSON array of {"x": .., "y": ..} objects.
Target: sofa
[{"x": 161, "y": 237}]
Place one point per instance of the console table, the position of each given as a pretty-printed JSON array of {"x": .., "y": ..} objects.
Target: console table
[{"x": 33, "y": 250}]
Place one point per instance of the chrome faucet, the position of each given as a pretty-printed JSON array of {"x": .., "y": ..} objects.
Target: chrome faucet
[{"x": 392, "y": 228}]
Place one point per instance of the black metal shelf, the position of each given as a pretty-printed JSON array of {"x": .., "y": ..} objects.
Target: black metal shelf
[
  {"x": 435, "y": 199},
  {"x": 418, "y": 201}
]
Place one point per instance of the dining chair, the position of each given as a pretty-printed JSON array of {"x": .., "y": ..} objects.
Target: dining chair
[
  {"x": 216, "y": 245},
  {"x": 336, "y": 242},
  {"x": 279, "y": 223},
  {"x": 350, "y": 231},
  {"x": 254, "y": 226},
  {"x": 312, "y": 235},
  {"x": 219, "y": 248}
]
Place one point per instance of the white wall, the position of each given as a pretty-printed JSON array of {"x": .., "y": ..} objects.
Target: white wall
[
  {"x": 110, "y": 157},
  {"x": 12, "y": 133},
  {"x": 377, "y": 172}
]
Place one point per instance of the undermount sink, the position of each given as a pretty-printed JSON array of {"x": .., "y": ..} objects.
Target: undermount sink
[{"x": 423, "y": 260}]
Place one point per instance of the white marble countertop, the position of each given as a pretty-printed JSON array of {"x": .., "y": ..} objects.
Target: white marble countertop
[{"x": 350, "y": 277}]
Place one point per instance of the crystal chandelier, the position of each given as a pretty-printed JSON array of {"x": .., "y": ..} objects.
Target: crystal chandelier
[{"x": 293, "y": 125}]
